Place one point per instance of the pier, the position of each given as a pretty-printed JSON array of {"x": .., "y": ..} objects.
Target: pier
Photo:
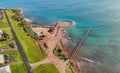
[{"x": 75, "y": 50}]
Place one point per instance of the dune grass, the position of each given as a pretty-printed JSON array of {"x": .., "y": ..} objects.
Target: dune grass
[
  {"x": 18, "y": 68},
  {"x": 46, "y": 68},
  {"x": 32, "y": 51}
]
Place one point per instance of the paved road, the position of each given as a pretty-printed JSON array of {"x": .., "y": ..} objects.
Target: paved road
[{"x": 25, "y": 61}]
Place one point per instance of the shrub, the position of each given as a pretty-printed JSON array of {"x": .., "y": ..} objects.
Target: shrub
[{"x": 58, "y": 52}]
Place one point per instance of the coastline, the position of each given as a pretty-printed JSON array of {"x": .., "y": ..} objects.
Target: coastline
[
  {"x": 48, "y": 37},
  {"x": 63, "y": 38},
  {"x": 102, "y": 19},
  {"x": 27, "y": 20},
  {"x": 51, "y": 39},
  {"x": 72, "y": 23}
]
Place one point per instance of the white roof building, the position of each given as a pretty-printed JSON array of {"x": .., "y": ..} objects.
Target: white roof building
[
  {"x": 1, "y": 59},
  {"x": 5, "y": 69},
  {"x": 39, "y": 33}
]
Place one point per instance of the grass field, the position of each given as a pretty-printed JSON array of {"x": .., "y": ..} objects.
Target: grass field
[
  {"x": 67, "y": 71},
  {"x": 46, "y": 68},
  {"x": 3, "y": 44},
  {"x": 18, "y": 68},
  {"x": 71, "y": 67},
  {"x": 8, "y": 31},
  {"x": 5, "y": 27},
  {"x": 4, "y": 24},
  {"x": 32, "y": 51},
  {"x": 13, "y": 53}
]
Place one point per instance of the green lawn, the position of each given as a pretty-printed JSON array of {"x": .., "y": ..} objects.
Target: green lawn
[
  {"x": 32, "y": 51},
  {"x": 18, "y": 68},
  {"x": 4, "y": 24},
  {"x": 67, "y": 71},
  {"x": 71, "y": 67},
  {"x": 4, "y": 44},
  {"x": 8, "y": 31},
  {"x": 46, "y": 68},
  {"x": 5, "y": 27},
  {"x": 13, "y": 53}
]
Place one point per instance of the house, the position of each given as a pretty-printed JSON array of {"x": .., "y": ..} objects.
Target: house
[
  {"x": 5, "y": 69},
  {"x": 2, "y": 59},
  {"x": 1, "y": 32}
]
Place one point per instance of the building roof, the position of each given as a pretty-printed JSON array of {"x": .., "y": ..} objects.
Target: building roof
[
  {"x": 5, "y": 69},
  {"x": 38, "y": 33},
  {"x": 1, "y": 58}
]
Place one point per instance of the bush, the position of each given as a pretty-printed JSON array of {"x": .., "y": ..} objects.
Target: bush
[
  {"x": 5, "y": 36},
  {"x": 1, "y": 15},
  {"x": 22, "y": 23},
  {"x": 12, "y": 45},
  {"x": 58, "y": 52}
]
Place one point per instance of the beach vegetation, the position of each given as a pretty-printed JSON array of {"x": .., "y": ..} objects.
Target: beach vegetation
[
  {"x": 22, "y": 23},
  {"x": 17, "y": 15},
  {"x": 27, "y": 29},
  {"x": 32, "y": 51},
  {"x": 58, "y": 52},
  {"x": 1, "y": 15},
  {"x": 71, "y": 66}
]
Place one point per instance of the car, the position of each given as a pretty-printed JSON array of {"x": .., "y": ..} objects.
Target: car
[{"x": 1, "y": 50}]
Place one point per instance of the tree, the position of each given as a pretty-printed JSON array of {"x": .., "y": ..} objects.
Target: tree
[{"x": 12, "y": 45}]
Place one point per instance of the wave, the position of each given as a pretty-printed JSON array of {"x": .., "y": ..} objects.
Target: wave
[
  {"x": 28, "y": 20},
  {"x": 87, "y": 60}
]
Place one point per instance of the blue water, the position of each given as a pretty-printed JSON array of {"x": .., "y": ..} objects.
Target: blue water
[{"x": 103, "y": 16}]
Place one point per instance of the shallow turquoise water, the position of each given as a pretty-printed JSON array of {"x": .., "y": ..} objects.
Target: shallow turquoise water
[{"x": 103, "y": 16}]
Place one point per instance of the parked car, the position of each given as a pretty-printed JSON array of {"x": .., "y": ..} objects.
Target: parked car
[{"x": 1, "y": 50}]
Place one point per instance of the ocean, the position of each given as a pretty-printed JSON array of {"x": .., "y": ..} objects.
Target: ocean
[{"x": 103, "y": 16}]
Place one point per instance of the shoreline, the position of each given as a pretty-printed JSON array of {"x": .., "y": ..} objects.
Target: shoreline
[
  {"x": 63, "y": 40},
  {"x": 56, "y": 37},
  {"x": 72, "y": 23},
  {"x": 35, "y": 24}
]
